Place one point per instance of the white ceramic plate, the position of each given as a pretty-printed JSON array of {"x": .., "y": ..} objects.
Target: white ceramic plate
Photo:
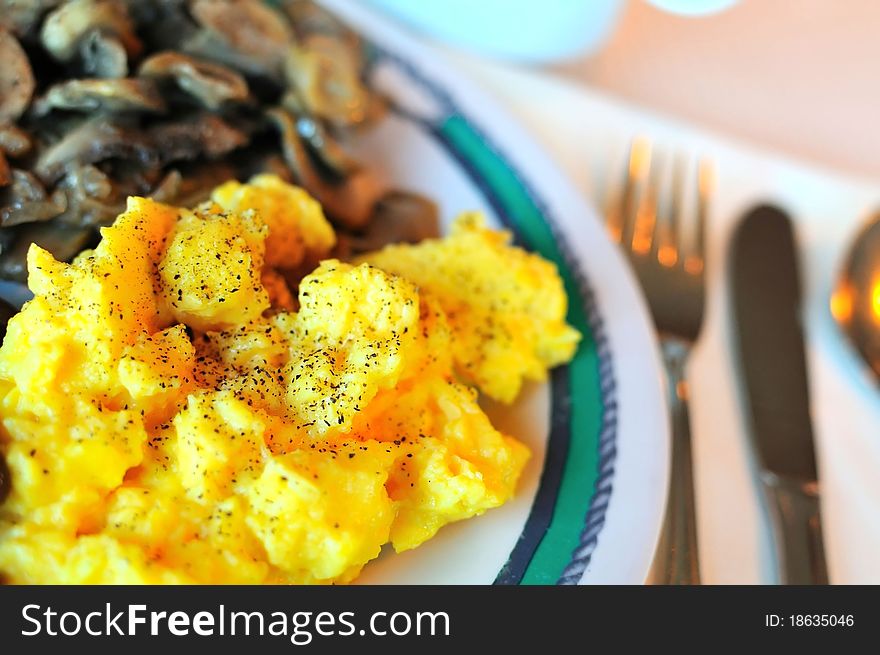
[{"x": 590, "y": 503}]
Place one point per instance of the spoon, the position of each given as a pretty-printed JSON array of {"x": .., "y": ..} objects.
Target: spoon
[{"x": 855, "y": 300}]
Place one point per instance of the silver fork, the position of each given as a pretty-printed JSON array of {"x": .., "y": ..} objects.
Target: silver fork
[{"x": 649, "y": 223}]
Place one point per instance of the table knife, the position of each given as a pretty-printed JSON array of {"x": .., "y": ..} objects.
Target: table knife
[{"x": 770, "y": 350}]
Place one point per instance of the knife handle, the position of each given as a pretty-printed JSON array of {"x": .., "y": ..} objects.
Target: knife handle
[
  {"x": 797, "y": 529},
  {"x": 676, "y": 561}
]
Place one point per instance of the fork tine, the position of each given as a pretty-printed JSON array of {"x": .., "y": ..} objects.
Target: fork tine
[
  {"x": 646, "y": 216},
  {"x": 637, "y": 168},
  {"x": 705, "y": 189},
  {"x": 662, "y": 243},
  {"x": 677, "y": 207},
  {"x": 705, "y": 184}
]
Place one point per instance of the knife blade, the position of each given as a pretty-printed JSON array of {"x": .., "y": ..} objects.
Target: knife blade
[{"x": 769, "y": 338}]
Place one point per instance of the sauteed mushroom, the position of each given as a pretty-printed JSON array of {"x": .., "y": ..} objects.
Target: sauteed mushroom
[
  {"x": 5, "y": 171},
  {"x": 22, "y": 17},
  {"x": 16, "y": 78},
  {"x": 61, "y": 240},
  {"x": 94, "y": 140},
  {"x": 349, "y": 201},
  {"x": 323, "y": 70},
  {"x": 112, "y": 96},
  {"x": 170, "y": 98},
  {"x": 187, "y": 139},
  {"x": 211, "y": 84},
  {"x": 66, "y": 27},
  {"x": 323, "y": 146},
  {"x": 24, "y": 200},
  {"x": 254, "y": 35},
  {"x": 14, "y": 141},
  {"x": 103, "y": 55},
  {"x": 398, "y": 217}
]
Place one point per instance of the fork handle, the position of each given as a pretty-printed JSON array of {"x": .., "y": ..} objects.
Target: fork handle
[{"x": 676, "y": 561}]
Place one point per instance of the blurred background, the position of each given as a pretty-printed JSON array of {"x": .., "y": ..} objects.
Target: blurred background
[{"x": 791, "y": 75}]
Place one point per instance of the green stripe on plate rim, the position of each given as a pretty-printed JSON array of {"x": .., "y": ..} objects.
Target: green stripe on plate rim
[{"x": 581, "y": 467}]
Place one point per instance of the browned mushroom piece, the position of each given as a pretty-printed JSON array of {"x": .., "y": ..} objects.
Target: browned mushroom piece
[
  {"x": 246, "y": 34},
  {"x": 200, "y": 111},
  {"x": 202, "y": 134},
  {"x": 5, "y": 171},
  {"x": 112, "y": 96},
  {"x": 211, "y": 84},
  {"x": 326, "y": 75},
  {"x": 168, "y": 187},
  {"x": 326, "y": 149},
  {"x": 350, "y": 201},
  {"x": 14, "y": 141},
  {"x": 309, "y": 17},
  {"x": 398, "y": 217},
  {"x": 22, "y": 17},
  {"x": 93, "y": 198},
  {"x": 63, "y": 241},
  {"x": 25, "y": 200},
  {"x": 67, "y": 26},
  {"x": 16, "y": 79},
  {"x": 92, "y": 141},
  {"x": 198, "y": 180},
  {"x": 103, "y": 55}
]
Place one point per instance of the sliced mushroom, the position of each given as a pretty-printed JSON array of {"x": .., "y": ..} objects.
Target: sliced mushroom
[
  {"x": 7, "y": 311},
  {"x": 16, "y": 79},
  {"x": 398, "y": 217},
  {"x": 5, "y": 171},
  {"x": 21, "y": 17},
  {"x": 25, "y": 188},
  {"x": 92, "y": 197},
  {"x": 168, "y": 189},
  {"x": 103, "y": 55},
  {"x": 311, "y": 18},
  {"x": 164, "y": 24},
  {"x": 24, "y": 200},
  {"x": 332, "y": 157},
  {"x": 249, "y": 162},
  {"x": 325, "y": 73},
  {"x": 14, "y": 141},
  {"x": 66, "y": 27},
  {"x": 201, "y": 135},
  {"x": 350, "y": 201},
  {"x": 211, "y": 84},
  {"x": 196, "y": 183},
  {"x": 113, "y": 96},
  {"x": 255, "y": 32},
  {"x": 63, "y": 241},
  {"x": 92, "y": 141}
]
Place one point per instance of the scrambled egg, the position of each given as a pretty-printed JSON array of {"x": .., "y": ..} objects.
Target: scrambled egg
[{"x": 172, "y": 413}]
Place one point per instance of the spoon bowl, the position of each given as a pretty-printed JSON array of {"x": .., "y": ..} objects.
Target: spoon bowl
[{"x": 855, "y": 300}]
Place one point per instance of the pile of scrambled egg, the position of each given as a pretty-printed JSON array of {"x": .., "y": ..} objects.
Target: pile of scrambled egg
[{"x": 172, "y": 412}]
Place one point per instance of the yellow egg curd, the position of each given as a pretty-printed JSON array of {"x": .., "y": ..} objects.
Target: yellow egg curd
[{"x": 173, "y": 413}]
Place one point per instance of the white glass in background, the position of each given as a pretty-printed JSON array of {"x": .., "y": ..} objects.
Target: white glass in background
[
  {"x": 522, "y": 30},
  {"x": 533, "y": 31},
  {"x": 693, "y": 7}
]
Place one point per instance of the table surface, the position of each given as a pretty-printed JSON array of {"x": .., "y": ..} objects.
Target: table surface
[{"x": 794, "y": 75}]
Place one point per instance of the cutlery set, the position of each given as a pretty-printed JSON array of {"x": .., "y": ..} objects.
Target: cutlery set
[{"x": 663, "y": 237}]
